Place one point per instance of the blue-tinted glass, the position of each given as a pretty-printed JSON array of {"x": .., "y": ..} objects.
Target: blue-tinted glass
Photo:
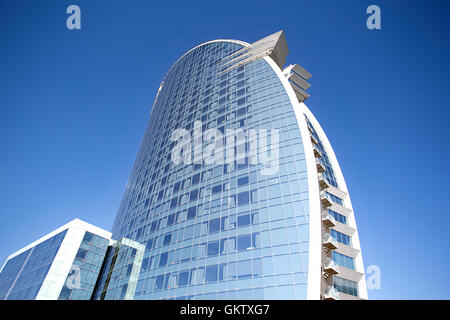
[
  {"x": 344, "y": 260},
  {"x": 346, "y": 286},
  {"x": 23, "y": 275},
  {"x": 341, "y": 237},
  {"x": 85, "y": 268},
  {"x": 338, "y": 217},
  {"x": 217, "y": 209}
]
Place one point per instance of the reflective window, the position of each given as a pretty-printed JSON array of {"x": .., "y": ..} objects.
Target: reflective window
[
  {"x": 344, "y": 260},
  {"x": 341, "y": 237},
  {"x": 345, "y": 286}
]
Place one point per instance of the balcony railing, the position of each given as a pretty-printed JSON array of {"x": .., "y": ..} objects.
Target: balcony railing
[
  {"x": 317, "y": 153},
  {"x": 330, "y": 294},
  {"x": 330, "y": 266},
  {"x": 313, "y": 140},
  {"x": 325, "y": 199},
  {"x": 329, "y": 243},
  {"x": 320, "y": 167},
  {"x": 323, "y": 183},
  {"x": 327, "y": 219}
]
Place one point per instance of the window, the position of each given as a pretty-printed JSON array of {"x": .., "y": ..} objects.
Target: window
[
  {"x": 227, "y": 245},
  {"x": 244, "y": 269},
  {"x": 183, "y": 278},
  {"x": 196, "y": 178},
  {"x": 154, "y": 225},
  {"x": 217, "y": 189},
  {"x": 88, "y": 237},
  {"x": 243, "y": 220},
  {"x": 81, "y": 254},
  {"x": 167, "y": 238},
  {"x": 173, "y": 203},
  {"x": 243, "y": 198},
  {"x": 182, "y": 255},
  {"x": 163, "y": 259},
  {"x": 144, "y": 264},
  {"x": 171, "y": 219},
  {"x": 338, "y": 217},
  {"x": 241, "y": 112},
  {"x": 340, "y": 237},
  {"x": 159, "y": 282},
  {"x": 214, "y": 225},
  {"x": 211, "y": 273},
  {"x": 335, "y": 199},
  {"x": 346, "y": 286},
  {"x": 191, "y": 212},
  {"x": 244, "y": 242},
  {"x": 65, "y": 293},
  {"x": 149, "y": 244},
  {"x": 129, "y": 268},
  {"x": 213, "y": 248},
  {"x": 124, "y": 291},
  {"x": 242, "y": 181},
  {"x": 343, "y": 260},
  {"x": 193, "y": 195}
]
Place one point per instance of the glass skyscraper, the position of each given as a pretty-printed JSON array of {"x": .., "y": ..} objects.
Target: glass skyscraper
[{"x": 236, "y": 192}]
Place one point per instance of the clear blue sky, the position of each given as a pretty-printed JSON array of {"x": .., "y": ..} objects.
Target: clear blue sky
[{"x": 74, "y": 106}]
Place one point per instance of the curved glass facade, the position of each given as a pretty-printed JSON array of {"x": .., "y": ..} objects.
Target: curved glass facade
[{"x": 221, "y": 230}]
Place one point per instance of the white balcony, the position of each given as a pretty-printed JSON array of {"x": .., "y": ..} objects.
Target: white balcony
[
  {"x": 323, "y": 183},
  {"x": 297, "y": 77},
  {"x": 299, "y": 92},
  {"x": 325, "y": 199},
  {"x": 330, "y": 294},
  {"x": 327, "y": 219},
  {"x": 330, "y": 266},
  {"x": 329, "y": 243},
  {"x": 317, "y": 153},
  {"x": 301, "y": 71},
  {"x": 313, "y": 140},
  {"x": 320, "y": 167}
]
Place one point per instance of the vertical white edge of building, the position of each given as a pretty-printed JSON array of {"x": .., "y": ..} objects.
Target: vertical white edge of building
[
  {"x": 315, "y": 222},
  {"x": 362, "y": 286},
  {"x": 62, "y": 263}
]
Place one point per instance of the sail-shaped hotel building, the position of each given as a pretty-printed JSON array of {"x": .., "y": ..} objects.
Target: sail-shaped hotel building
[{"x": 236, "y": 191}]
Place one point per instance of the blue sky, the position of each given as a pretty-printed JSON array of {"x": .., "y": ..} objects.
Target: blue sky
[{"x": 74, "y": 106}]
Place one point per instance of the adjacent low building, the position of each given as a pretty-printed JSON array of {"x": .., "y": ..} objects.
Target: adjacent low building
[{"x": 63, "y": 264}]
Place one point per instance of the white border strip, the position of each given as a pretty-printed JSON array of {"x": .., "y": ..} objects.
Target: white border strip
[
  {"x": 362, "y": 287},
  {"x": 315, "y": 227},
  {"x": 74, "y": 222}
]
